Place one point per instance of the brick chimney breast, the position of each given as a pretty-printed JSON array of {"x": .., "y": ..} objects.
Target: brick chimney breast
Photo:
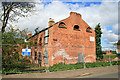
[
  {"x": 50, "y": 19},
  {"x": 75, "y": 14},
  {"x": 51, "y": 22},
  {"x": 30, "y": 34}
]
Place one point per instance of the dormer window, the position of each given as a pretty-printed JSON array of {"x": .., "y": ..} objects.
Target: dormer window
[
  {"x": 76, "y": 27},
  {"x": 62, "y": 25},
  {"x": 88, "y": 30}
]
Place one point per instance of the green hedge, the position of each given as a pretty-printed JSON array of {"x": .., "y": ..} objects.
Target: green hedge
[
  {"x": 111, "y": 56},
  {"x": 58, "y": 67},
  {"x": 63, "y": 67}
]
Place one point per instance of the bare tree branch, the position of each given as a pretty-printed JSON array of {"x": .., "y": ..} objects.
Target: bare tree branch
[{"x": 13, "y": 9}]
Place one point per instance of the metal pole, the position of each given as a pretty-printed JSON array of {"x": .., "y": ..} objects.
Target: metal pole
[
  {"x": 110, "y": 58},
  {"x": 84, "y": 58},
  {"x": 53, "y": 54},
  {"x": 63, "y": 58}
]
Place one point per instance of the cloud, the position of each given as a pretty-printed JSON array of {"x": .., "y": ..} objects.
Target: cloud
[
  {"x": 105, "y": 13},
  {"x": 109, "y": 36},
  {"x": 56, "y": 10},
  {"x": 116, "y": 29}
]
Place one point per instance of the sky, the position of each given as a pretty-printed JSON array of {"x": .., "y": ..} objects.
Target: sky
[{"x": 103, "y": 12}]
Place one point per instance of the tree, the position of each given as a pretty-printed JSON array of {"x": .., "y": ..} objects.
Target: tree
[
  {"x": 13, "y": 42},
  {"x": 118, "y": 46},
  {"x": 98, "y": 33},
  {"x": 13, "y": 9}
]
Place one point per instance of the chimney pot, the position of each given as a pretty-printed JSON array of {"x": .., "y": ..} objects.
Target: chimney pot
[
  {"x": 50, "y": 19},
  {"x": 51, "y": 22},
  {"x": 30, "y": 34},
  {"x": 75, "y": 14}
]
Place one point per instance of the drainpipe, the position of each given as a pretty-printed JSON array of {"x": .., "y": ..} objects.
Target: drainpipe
[
  {"x": 110, "y": 58},
  {"x": 84, "y": 58}
]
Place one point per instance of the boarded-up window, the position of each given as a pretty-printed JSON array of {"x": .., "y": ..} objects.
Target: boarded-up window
[
  {"x": 80, "y": 57},
  {"x": 40, "y": 42},
  {"x": 46, "y": 57},
  {"x": 35, "y": 55},
  {"x": 36, "y": 40}
]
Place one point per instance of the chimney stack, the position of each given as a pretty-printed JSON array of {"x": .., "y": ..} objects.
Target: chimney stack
[
  {"x": 30, "y": 34},
  {"x": 51, "y": 22},
  {"x": 74, "y": 14}
]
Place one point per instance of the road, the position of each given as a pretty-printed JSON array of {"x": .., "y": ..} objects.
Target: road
[
  {"x": 108, "y": 71},
  {"x": 106, "y": 75}
]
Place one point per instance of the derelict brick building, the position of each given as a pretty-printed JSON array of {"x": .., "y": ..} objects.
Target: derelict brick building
[{"x": 64, "y": 39}]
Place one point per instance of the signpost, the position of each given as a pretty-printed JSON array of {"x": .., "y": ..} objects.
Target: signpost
[{"x": 26, "y": 51}]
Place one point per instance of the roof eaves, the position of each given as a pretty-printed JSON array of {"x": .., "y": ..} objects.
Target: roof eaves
[
  {"x": 46, "y": 28},
  {"x": 39, "y": 32}
]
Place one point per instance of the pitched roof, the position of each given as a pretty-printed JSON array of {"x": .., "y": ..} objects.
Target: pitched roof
[
  {"x": 45, "y": 29},
  {"x": 52, "y": 25},
  {"x": 39, "y": 32},
  {"x": 42, "y": 30}
]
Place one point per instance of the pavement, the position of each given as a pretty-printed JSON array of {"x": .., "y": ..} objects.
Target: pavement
[
  {"x": 80, "y": 73},
  {"x": 106, "y": 75}
]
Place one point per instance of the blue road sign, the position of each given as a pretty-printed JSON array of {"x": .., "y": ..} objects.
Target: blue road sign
[
  {"x": 26, "y": 51},
  {"x": 118, "y": 51}
]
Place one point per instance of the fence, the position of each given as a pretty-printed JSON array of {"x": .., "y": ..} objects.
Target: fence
[{"x": 42, "y": 58}]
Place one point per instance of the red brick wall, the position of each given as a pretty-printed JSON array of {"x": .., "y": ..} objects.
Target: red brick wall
[{"x": 71, "y": 38}]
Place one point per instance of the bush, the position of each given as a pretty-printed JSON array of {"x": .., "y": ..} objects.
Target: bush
[
  {"x": 12, "y": 65},
  {"x": 63, "y": 67},
  {"x": 115, "y": 62},
  {"x": 111, "y": 56}
]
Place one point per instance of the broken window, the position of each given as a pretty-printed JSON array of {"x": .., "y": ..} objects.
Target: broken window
[
  {"x": 40, "y": 42},
  {"x": 54, "y": 39},
  {"x": 76, "y": 27},
  {"x": 89, "y": 30},
  {"x": 39, "y": 59},
  {"x": 35, "y": 55},
  {"x": 62, "y": 25},
  {"x": 36, "y": 40}
]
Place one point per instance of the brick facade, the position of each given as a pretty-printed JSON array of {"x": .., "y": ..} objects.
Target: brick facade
[{"x": 65, "y": 38}]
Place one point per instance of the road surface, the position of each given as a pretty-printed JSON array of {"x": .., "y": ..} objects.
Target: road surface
[{"x": 108, "y": 71}]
